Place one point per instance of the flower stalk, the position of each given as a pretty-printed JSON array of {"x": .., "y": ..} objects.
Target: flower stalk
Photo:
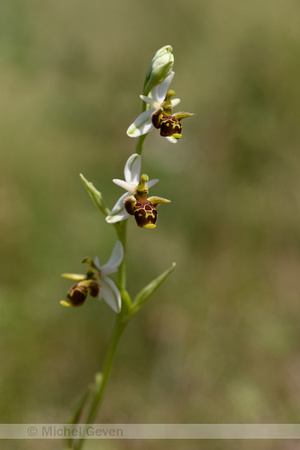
[{"x": 102, "y": 378}]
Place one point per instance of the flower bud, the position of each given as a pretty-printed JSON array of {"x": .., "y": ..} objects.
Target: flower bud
[{"x": 160, "y": 67}]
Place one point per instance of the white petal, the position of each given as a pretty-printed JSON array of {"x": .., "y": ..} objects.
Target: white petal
[
  {"x": 172, "y": 139},
  {"x": 111, "y": 294},
  {"x": 132, "y": 169},
  {"x": 117, "y": 217},
  {"x": 159, "y": 92},
  {"x": 118, "y": 212},
  {"x": 141, "y": 125},
  {"x": 114, "y": 261},
  {"x": 175, "y": 102},
  {"x": 151, "y": 183},
  {"x": 150, "y": 101},
  {"x": 130, "y": 187},
  {"x": 97, "y": 262}
]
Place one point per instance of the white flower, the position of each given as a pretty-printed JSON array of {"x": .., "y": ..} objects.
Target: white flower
[
  {"x": 143, "y": 123},
  {"x": 132, "y": 174},
  {"x": 96, "y": 282}
]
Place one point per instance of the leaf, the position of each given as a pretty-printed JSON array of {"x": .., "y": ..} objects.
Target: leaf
[
  {"x": 149, "y": 290},
  {"x": 95, "y": 195}
]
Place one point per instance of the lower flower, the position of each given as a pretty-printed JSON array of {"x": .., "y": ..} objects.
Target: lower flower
[{"x": 96, "y": 283}]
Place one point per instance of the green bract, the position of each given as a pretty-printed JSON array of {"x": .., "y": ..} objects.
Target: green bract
[{"x": 160, "y": 67}]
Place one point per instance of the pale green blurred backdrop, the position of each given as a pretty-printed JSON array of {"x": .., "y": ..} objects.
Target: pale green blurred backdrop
[{"x": 220, "y": 341}]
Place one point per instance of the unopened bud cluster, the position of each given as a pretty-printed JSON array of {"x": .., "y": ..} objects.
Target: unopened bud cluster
[{"x": 160, "y": 67}]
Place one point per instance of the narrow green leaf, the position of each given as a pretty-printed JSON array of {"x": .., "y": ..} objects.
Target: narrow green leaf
[
  {"x": 98, "y": 380},
  {"x": 80, "y": 406},
  {"x": 95, "y": 195},
  {"x": 149, "y": 290}
]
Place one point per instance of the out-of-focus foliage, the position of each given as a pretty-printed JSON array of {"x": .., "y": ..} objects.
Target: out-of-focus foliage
[{"x": 219, "y": 342}]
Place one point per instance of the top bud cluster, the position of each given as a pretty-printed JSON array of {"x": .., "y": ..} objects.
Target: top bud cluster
[
  {"x": 160, "y": 68},
  {"x": 159, "y": 103}
]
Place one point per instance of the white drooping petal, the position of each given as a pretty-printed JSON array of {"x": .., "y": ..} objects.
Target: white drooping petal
[
  {"x": 172, "y": 139},
  {"x": 132, "y": 168},
  {"x": 130, "y": 187},
  {"x": 151, "y": 183},
  {"x": 111, "y": 294},
  {"x": 141, "y": 125},
  {"x": 160, "y": 91},
  {"x": 118, "y": 212},
  {"x": 114, "y": 261}
]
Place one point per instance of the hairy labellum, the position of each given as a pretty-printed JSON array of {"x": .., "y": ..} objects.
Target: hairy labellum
[
  {"x": 144, "y": 212},
  {"x": 77, "y": 294},
  {"x": 169, "y": 125}
]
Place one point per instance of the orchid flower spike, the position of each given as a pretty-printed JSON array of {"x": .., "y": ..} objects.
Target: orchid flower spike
[
  {"x": 132, "y": 174},
  {"x": 96, "y": 281}
]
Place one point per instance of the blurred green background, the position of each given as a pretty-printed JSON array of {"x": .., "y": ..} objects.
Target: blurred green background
[{"x": 220, "y": 341}]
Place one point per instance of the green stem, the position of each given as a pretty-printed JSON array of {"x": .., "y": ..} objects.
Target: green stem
[
  {"x": 121, "y": 231},
  {"x": 141, "y": 139},
  {"x": 119, "y": 327},
  {"x": 140, "y": 143}
]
